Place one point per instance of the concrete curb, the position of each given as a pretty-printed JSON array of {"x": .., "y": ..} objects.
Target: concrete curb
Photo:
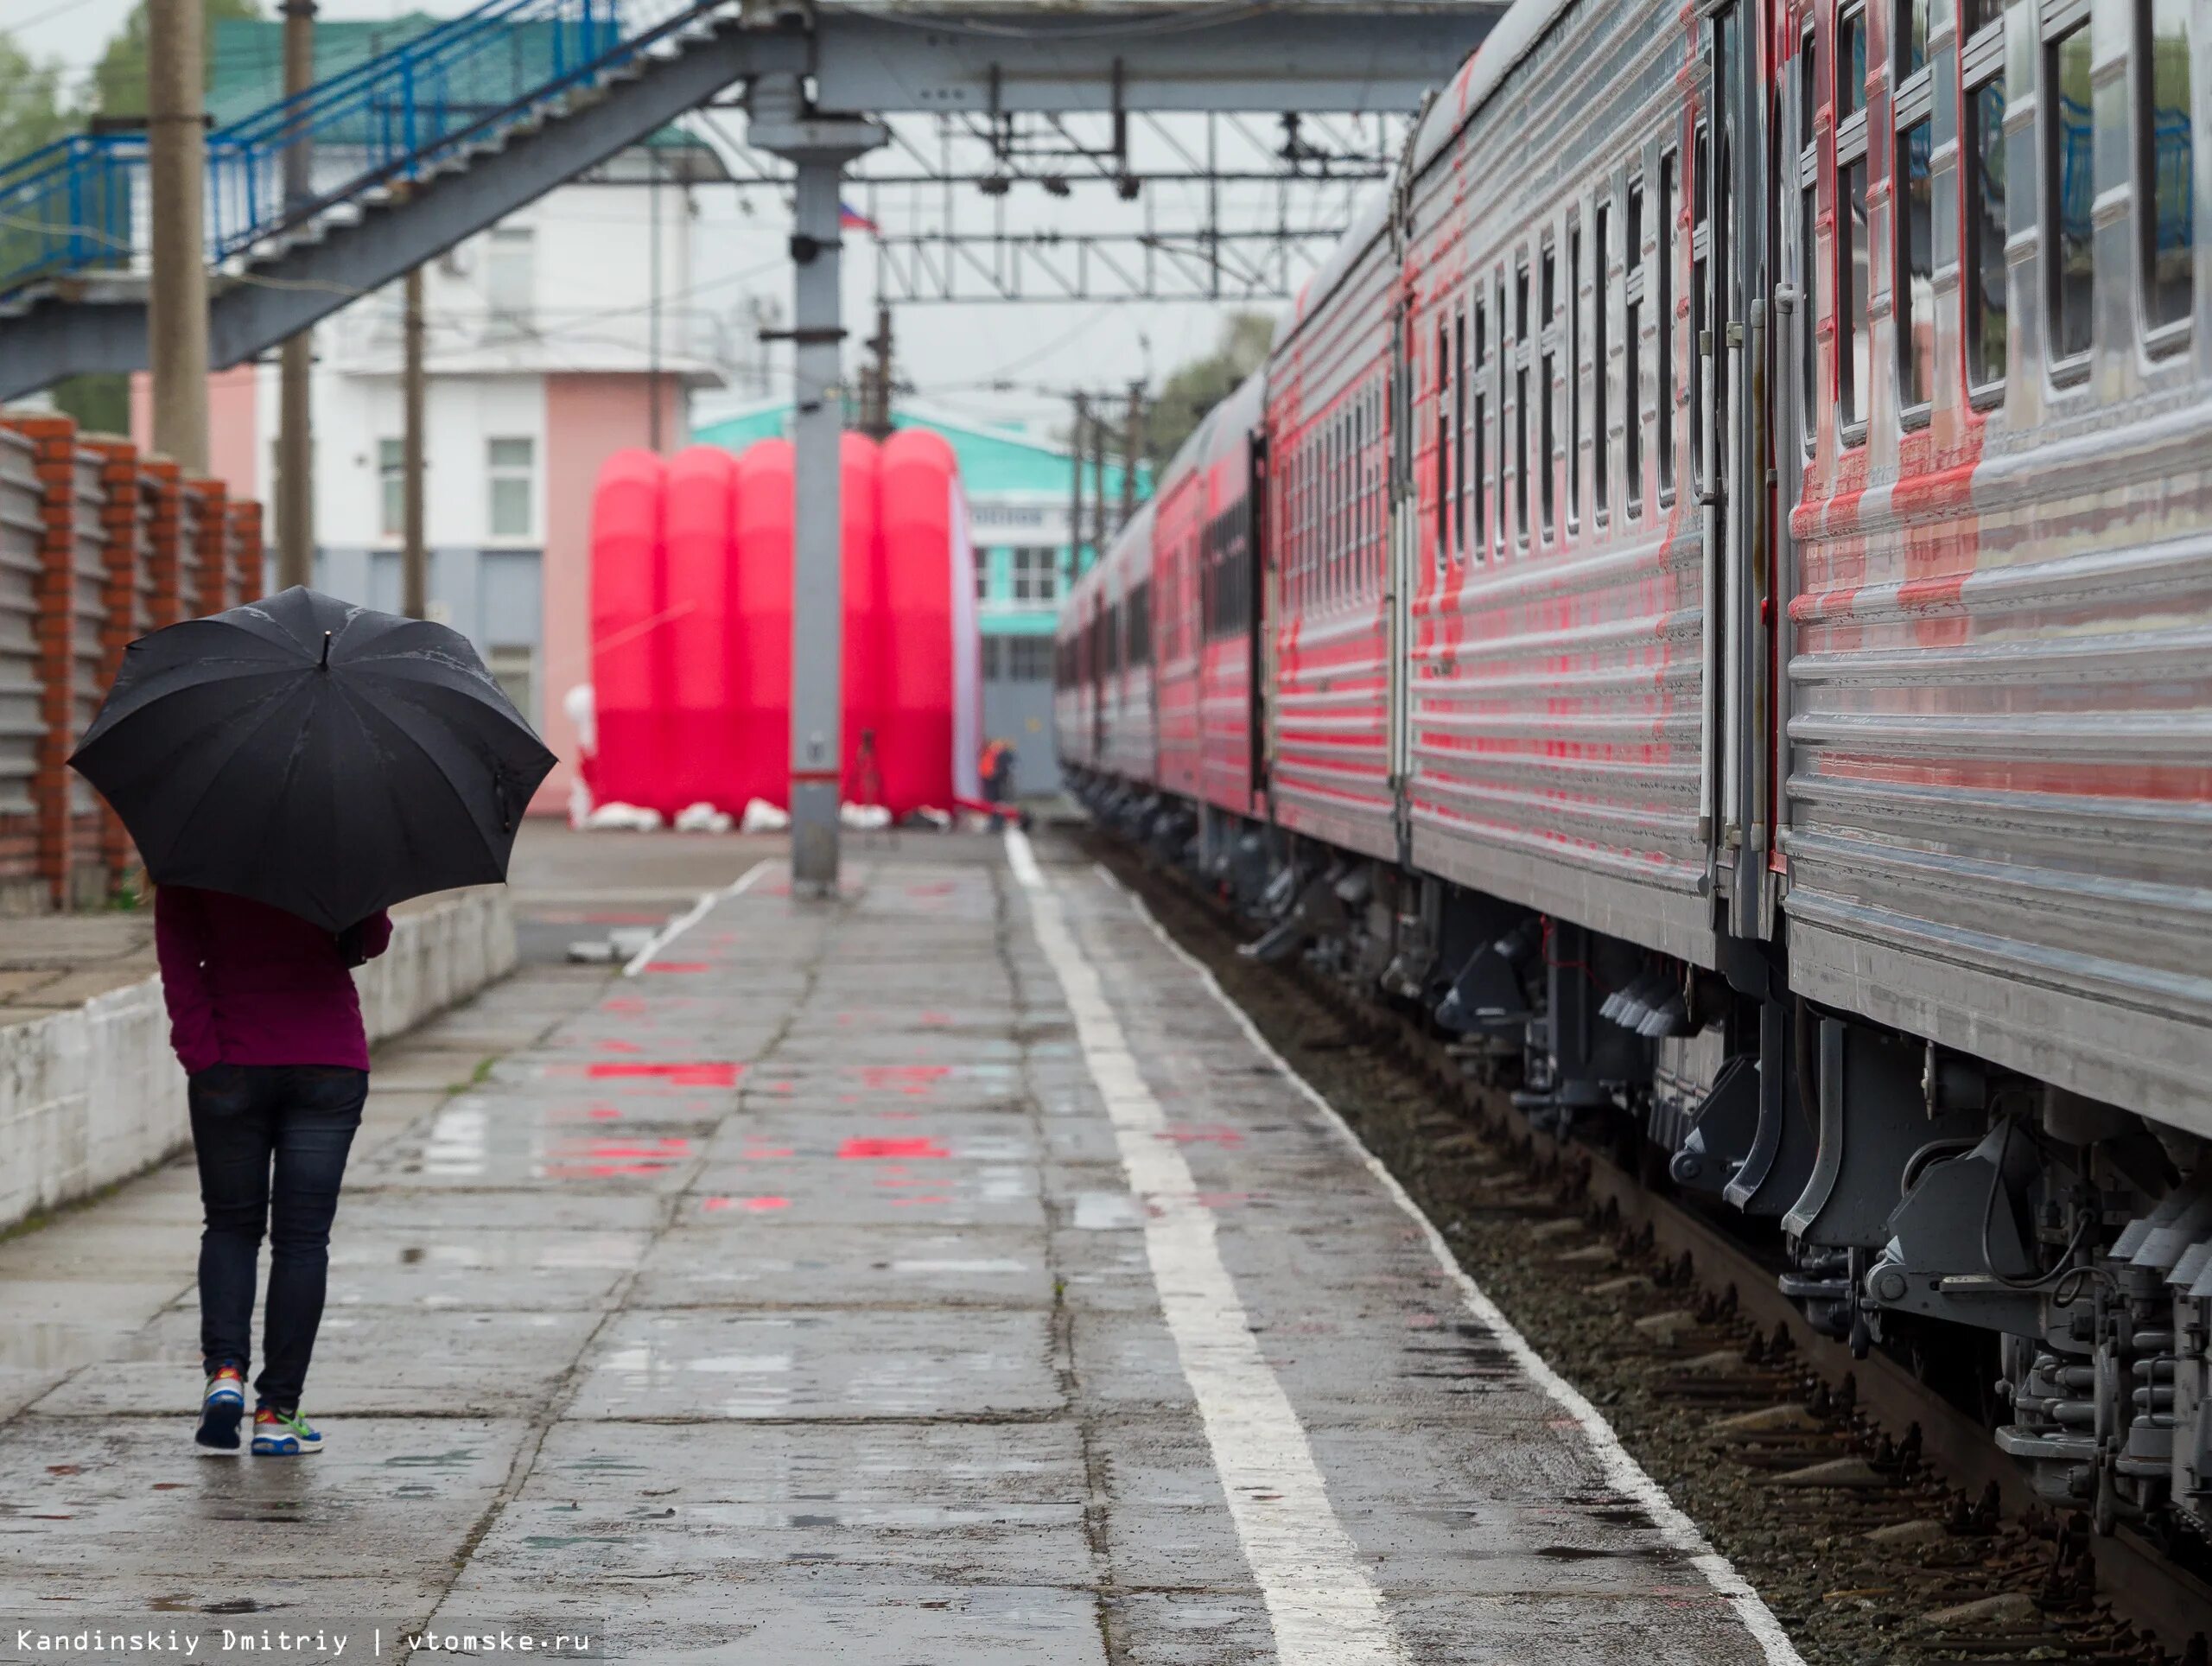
[{"x": 91, "y": 1096}]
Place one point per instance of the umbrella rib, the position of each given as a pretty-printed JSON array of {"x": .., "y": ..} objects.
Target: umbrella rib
[
  {"x": 277, "y": 709},
  {"x": 386, "y": 721}
]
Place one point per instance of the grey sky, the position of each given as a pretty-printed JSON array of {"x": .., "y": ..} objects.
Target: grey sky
[{"x": 952, "y": 352}]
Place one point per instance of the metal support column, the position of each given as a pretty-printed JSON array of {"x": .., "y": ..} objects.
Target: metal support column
[{"x": 819, "y": 146}]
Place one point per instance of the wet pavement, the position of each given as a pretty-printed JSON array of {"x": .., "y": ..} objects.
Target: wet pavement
[{"x": 939, "y": 1274}]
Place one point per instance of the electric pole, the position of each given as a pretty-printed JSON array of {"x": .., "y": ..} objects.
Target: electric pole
[
  {"x": 176, "y": 310},
  {"x": 1076, "y": 442},
  {"x": 296, "y": 420},
  {"x": 1132, "y": 449},
  {"x": 413, "y": 557},
  {"x": 876, "y": 380},
  {"x": 1098, "y": 533}
]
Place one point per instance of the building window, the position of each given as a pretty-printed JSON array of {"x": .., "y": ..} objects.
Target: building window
[
  {"x": 511, "y": 282},
  {"x": 983, "y": 578},
  {"x": 514, "y": 668},
  {"x": 391, "y": 488},
  {"x": 2165, "y": 170},
  {"x": 512, "y": 467},
  {"x": 1036, "y": 573},
  {"x": 1028, "y": 659}
]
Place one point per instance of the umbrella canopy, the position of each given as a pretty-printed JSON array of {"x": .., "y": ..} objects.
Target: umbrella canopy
[{"x": 314, "y": 755}]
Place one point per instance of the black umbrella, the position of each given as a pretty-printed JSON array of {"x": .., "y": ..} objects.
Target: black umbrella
[{"x": 314, "y": 755}]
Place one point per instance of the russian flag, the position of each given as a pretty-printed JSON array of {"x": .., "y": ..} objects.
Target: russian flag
[{"x": 850, "y": 219}]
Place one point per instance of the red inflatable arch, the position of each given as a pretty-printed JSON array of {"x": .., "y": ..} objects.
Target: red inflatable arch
[
  {"x": 760, "y": 643},
  {"x": 694, "y": 646},
  {"x": 929, "y": 732},
  {"x": 868, "y": 635},
  {"x": 626, "y": 600}
]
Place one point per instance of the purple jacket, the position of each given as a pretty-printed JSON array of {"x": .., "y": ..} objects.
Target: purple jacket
[{"x": 249, "y": 984}]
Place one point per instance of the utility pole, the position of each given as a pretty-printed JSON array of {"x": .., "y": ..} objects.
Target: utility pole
[
  {"x": 296, "y": 420},
  {"x": 413, "y": 557},
  {"x": 876, "y": 380},
  {"x": 1099, "y": 535},
  {"x": 1132, "y": 449},
  {"x": 1076, "y": 442},
  {"x": 176, "y": 311}
]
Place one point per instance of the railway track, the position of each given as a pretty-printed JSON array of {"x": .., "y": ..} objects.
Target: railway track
[{"x": 1874, "y": 1515}]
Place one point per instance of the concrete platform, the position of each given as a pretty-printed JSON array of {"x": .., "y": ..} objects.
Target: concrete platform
[{"x": 941, "y": 1274}]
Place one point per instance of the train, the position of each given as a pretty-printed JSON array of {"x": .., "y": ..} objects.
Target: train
[{"x": 1709, "y": 601}]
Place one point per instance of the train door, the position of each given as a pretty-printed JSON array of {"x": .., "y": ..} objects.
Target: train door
[
  {"x": 1259, "y": 614},
  {"x": 1730, "y": 241},
  {"x": 1399, "y": 579}
]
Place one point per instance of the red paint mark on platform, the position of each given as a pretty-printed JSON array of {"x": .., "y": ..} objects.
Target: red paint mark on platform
[
  {"x": 604, "y": 1114},
  {"x": 612, "y": 1045},
  {"x": 913, "y": 1080},
  {"x": 1220, "y": 1200},
  {"x": 765, "y": 1153},
  {"x": 622, "y": 1003},
  {"x": 756, "y": 1205},
  {"x": 881, "y": 1148},
  {"x": 908, "y": 1202},
  {"x": 697, "y": 1073},
  {"x": 678, "y": 966},
  {"x": 1200, "y": 1134},
  {"x": 937, "y": 1021}
]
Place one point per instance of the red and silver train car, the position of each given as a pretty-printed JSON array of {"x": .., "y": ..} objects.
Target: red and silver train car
[{"x": 1732, "y": 633}]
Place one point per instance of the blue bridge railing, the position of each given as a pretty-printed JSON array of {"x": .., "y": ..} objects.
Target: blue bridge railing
[{"x": 77, "y": 206}]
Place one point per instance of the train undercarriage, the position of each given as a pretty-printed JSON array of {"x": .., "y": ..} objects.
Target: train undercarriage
[{"x": 2041, "y": 1258}]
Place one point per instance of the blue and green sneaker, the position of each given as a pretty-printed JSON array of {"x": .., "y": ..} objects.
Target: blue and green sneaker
[{"x": 282, "y": 1434}]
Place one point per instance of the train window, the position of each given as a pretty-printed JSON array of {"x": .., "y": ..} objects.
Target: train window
[
  {"x": 1809, "y": 265},
  {"x": 1574, "y": 375},
  {"x": 1459, "y": 434},
  {"x": 1910, "y": 23},
  {"x": 1497, "y": 500},
  {"x": 1632, "y": 288},
  {"x": 1662, "y": 315},
  {"x": 1851, "y": 62},
  {"x": 1852, "y": 316},
  {"x": 2070, "y": 138},
  {"x": 1912, "y": 308},
  {"x": 1808, "y": 91},
  {"x": 2165, "y": 172},
  {"x": 1547, "y": 368},
  {"x": 1701, "y": 194},
  {"x": 1601, "y": 369},
  {"x": 1521, "y": 413},
  {"x": 1478, "y": 429},
  {"x": 1443, "y": 470}
]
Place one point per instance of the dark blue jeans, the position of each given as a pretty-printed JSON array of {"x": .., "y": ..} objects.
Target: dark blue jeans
[{"x": 298, "y": 1120}]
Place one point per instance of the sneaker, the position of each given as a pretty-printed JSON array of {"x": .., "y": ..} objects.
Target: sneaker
[
  {"x": 282, "y": 1434},
  {"x": 222, "y": 1407}
]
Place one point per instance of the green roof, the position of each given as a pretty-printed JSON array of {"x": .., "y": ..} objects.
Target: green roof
[{"x": 993, "y": 462}]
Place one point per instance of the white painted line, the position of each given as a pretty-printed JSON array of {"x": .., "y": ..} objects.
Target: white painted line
[
  {"x": 684, "y": 922},
  {"x": 1621, "y": 1469},
  {"x": 1324, "y": 1609}
]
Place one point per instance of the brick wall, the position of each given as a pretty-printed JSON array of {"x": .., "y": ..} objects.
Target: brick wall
[{"x": 123, "y": 544}]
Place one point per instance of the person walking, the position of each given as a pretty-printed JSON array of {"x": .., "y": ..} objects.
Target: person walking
[{"x": 265, "y": 1019}]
